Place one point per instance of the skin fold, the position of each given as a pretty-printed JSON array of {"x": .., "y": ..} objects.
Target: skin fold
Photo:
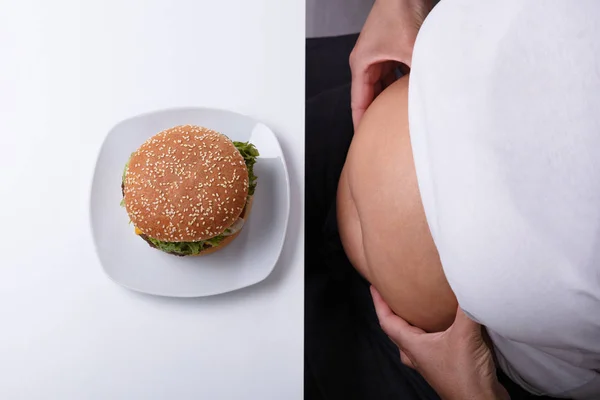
[{"x": 381, "y": 218}]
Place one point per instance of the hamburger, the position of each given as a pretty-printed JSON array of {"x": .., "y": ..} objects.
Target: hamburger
[{"x": 188, "y": 190}]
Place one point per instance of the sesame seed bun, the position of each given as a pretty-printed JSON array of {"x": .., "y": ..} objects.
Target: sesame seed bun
[{"x": 185, "y": 184}]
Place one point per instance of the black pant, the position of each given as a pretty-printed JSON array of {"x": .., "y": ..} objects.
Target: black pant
[{"x": 347, "y": 355}]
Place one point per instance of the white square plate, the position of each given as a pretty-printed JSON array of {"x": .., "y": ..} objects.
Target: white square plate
[{"x": 249, "y": 259}]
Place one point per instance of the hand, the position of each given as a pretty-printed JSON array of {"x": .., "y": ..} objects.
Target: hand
[
  {"x": 386, "y": 41},
  {"x": 457, "y": 363}
]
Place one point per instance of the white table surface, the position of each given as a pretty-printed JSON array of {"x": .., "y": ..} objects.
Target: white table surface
[{"x": 69, "y": 71}]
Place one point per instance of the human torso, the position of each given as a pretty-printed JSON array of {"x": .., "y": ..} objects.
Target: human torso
[{"x": 504, "y": 108}]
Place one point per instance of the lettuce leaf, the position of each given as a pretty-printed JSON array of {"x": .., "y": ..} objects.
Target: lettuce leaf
[
  {"x": 126, "y": 167},
  {"x": 249, "y": 152}
]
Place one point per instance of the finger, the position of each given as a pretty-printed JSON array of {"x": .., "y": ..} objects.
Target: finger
[
  {"x": 400, "y": 331},
  {"x": 406, "y": 360},
  {"x": 381, "y": 308},
  {"x": 362, "y": 95},
  {"x": 357, "y": 117},
  {"x": 464, "y": 325}
]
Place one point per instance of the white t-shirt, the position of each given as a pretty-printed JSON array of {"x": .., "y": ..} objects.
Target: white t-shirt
[{"x": 504, "y": 109}]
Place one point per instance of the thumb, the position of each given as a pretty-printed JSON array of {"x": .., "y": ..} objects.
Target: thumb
[
  {"x": 400, "y": 331},
  {"x": 357, "y": 115},
  {"x": 464, "y": 325}
]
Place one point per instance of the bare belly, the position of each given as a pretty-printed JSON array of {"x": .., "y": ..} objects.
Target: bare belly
[{"x": 381, "y": 218}]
